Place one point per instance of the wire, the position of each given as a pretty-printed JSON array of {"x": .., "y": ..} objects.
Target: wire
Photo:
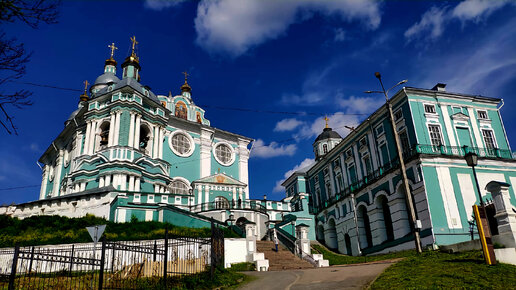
[
  {"x": 20, "y": 187},
  {"x": 47, "y": 86}
]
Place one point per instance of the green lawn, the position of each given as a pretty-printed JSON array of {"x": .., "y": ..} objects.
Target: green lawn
[
  {"x": 338, "y": 259},
  {"x": 438, "y": 270}
]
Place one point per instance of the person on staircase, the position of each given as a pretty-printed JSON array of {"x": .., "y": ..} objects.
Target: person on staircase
[{"x": 276, "y": 241}]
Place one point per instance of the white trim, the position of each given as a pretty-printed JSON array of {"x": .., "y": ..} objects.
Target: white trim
[
  {"x": 214, "y": 146},
  {"x": 190, "y": 139}
]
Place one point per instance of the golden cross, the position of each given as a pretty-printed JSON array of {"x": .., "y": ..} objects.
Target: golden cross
[
  {"x": 326, "y": 119},
  {"x": 86, "y": 85},
  {"x": 133, "y": 40},
  {"x": 113, "y": 47},
  {"x": 186, "y": 75}
]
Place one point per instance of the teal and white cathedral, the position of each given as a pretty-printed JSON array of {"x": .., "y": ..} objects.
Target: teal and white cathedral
[{"x": 127, "y": 152}]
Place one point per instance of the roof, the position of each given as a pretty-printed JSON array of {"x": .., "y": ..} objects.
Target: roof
[
  {"x": 220, "y": 178},
  {"x": 106, "y": 78},
  {"x": 128, "y": 82},
  {"x": 328, "y": 133}
]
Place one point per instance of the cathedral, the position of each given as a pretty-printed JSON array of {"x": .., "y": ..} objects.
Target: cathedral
[{"x": 127, "y": 152}]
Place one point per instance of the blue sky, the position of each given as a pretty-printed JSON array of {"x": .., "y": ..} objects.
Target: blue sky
[{"x": 309, "y": 57}]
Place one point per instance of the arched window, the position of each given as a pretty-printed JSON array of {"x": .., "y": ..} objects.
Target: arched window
[
  {"x": 144, "y": 137},
  {"x": 179, "y": 187},
  {"x": 104, "y": 134},
  {"x": 383, "y": 205},
  {"x": 325, "y": 148},
  {"x": 364, "y": 228},
  {"x": 181, "y": 111},
  {"x": 221, "y": 202}
]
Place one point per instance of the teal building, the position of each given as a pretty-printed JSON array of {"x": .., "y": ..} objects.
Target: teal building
[
  {"x": 127, "y": 152},
  {"x": 355, "y": 188}
]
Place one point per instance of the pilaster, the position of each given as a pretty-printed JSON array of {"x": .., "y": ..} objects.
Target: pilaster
[
  {"x": 131, "y": 129},
  {"x": 44, "y": 182}
]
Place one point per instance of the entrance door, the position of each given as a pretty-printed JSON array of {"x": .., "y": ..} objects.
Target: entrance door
[{"x": 464, "y": 137}]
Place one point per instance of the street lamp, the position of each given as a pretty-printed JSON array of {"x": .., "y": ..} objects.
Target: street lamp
[
  {"x": 472, "y": 161},
  {"x": 231, "y": 219},
  {"x": 408, "y": 195}
]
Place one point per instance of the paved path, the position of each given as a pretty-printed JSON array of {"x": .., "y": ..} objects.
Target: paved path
[{"x": 355, "y": 276}]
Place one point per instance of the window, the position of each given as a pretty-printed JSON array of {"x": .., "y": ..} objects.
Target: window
[
  {"x": 405, "y": 144},
  {"x": 221, "y": 202},
  {"x": 181, "y": 144},
  {"x": 325, "y": 148},
  {"x": 379, "y": 130},
  {"x": 367, "y": 164},
  {"x": 435, "y": 135},
  {"x": 398, "y": 115},
  {"x": 482, "y": 115},
  {"x": 178, "y": 187},
  {"x": 349, "y": 154},
  {"x": 489, "y": 139},
  {"x": 223, "y": 154},
  {"x": 336, "y": 163},
  {"x": 430, "y": 109},
  {"x": 316, "y": 179},
  {"x": 325, "y": 171},
  {"x": 363, "y": 142}
]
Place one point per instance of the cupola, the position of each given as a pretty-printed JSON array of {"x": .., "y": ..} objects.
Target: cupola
[
  {"x": 326, "y": 141},
  {"x": 109, "y": 76},
  {"x": 131, "y": 66},
  {"x": 186, "y": 90}
]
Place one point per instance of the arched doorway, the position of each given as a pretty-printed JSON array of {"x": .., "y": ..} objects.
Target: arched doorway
[
  {"x": 364, "y": 228},
  {"x": 144, "y": 137},
  {"x": 320, "y": 233},
  {"x": 347, "y": 241},
  {"x": 330, "y": 235},
  {"x": 385, "y": 229},
  {"x": 221, "y": 202}
]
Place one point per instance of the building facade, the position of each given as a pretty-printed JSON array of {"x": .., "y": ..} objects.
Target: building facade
[{"x": 355, "y": 185}]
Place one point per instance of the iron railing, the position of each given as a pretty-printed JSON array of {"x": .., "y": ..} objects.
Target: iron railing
[
  {"x": 111, "y": 265},
  {"x": 418, "y": 149},
  {"x": 229, "y": 205}
]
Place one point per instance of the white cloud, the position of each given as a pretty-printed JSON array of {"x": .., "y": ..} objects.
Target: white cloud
[
  {"x": 305, "y": 163},
  {"x": 161, "y": 4},
  {"x": 273, "y": 149},
  {"x": 287, "y": 125},
  {"x": 340, "y": 35},
  {"x": 433, "y": 21},
  {"x": 337, "y": 122},
  {"x": 476, "y": 9},
  {"x": 364, "y": 105},
  {"x": 234, "y": 26}
]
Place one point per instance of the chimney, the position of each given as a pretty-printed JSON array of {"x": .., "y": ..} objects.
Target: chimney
[{"x": 440, "y": 87}]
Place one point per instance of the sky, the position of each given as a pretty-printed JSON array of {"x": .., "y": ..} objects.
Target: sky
[{"x": 301, "y": 60}]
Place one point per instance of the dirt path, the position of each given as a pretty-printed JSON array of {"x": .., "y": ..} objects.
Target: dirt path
[{"x": 355, "y": 276}]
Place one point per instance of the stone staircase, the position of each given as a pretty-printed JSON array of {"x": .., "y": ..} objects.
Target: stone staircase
[{"x": 281, "y": 260}]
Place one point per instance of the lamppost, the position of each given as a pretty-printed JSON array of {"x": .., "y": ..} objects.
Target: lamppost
[
  {"x": 472, "y": 161},
  {"x": 231, "y": 219},
  {"x": 415, "y": 223}
]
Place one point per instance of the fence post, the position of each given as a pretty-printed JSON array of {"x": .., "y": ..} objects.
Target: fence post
[
  {"x": 102, "y": 259},
  {"x": 165, "y": 258},
  {"x": 31, "y": 259},
  {"x": 13, "y": 269},
  {"x": 212, "y": 268},
  {"x": 71, "y": 259},
  {"x": 155, "y": 250}
]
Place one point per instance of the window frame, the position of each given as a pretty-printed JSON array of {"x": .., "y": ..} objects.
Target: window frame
[
  {"x": 171, "y": 144},
  {"x": 491, "y": 132},
  {"x": 231, "y": 152},
  {"x": 441, "y": 137},
  {"x": 434, "y": 110},
  {"x": 483, "y": 112}
]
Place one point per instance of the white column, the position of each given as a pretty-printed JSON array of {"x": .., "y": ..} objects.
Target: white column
[
  {"x": 131, "y": 130},
  {"x": 111, "y": 129},
  {"x": 205, "y": 148},
  {"x": 137, "y": 184},
  {"x": 93, "y": 136},
  {"x": 77, "y": 187},
  {"x": 83, "y": 186},
  {"x": 44, "y": 182},
  {"x": 117, "y": 128},
  {"x": 107, "y": 180},
  {"x": 155, "y": 142},
  {"x": 57, "y": 176},
  {"x": 115, "y": 181},
  {"x": 160, "y": 143},
  {"x": 243, "y": 171},
  {"x": 123, "y": 182},
  {"x": 87, "y": 137},
  {"x": 136, "y": 144},
  {"x": 206, "y": 194},
  {"x": 131, "y": 183},
  {"x": 101, "y": 181}
]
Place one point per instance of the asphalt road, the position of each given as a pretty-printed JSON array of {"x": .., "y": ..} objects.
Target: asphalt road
[{"x": 356, "y": 276}]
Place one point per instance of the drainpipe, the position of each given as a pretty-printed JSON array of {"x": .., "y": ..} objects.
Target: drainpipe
[{"x": 356, "y": 223}]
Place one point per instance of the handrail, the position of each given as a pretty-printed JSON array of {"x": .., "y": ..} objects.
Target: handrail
[
  {"x": 217, "y": 205},
  {"x": 287, "y": 239},
  {"x": 426, "y": 149}
]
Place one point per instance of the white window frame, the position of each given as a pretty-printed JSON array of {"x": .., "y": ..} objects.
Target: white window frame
[
  {"x": 190, "y": 139},
  {"x": 440, "y": 133},
  {"x": 400, "y": 118},
  {"x": 430, "y": 105},
  {"x": 492, "y": 135},
  {"x": 482, "y": 111},
  {"x": 380, "y": 133},
  {"x": 231, "y": 161}
]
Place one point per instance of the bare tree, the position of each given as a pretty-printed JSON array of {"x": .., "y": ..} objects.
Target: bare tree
[{"x": 14, "y": 57}]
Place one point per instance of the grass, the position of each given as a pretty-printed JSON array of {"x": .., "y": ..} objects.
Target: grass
[
  {"x": 438, "y": 270},
  {"x": 338, "y": 259},
  {"x": 48, "y": 230}
]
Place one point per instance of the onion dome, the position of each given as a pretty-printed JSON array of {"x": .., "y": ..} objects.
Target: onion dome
[
  {"x": 186, "y": 87},
  {"x": 327, "y": 133}
]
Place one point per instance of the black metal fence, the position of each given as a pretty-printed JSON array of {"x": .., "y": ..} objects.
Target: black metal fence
[
  {"x": 229, "y": 205},
  {"x": 111, "y": 265}
]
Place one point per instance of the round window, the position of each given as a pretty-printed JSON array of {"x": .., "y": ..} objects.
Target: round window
[
  {"x": 181, "y": 144},
  {"x": 224, "y": 154}
]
